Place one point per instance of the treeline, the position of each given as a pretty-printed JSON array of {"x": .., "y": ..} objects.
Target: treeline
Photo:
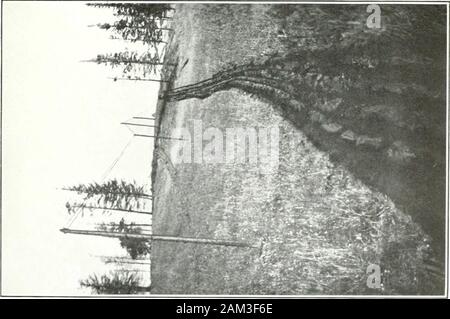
[
  {"x": 148, "y": 24},
  {"x": 109, "y": 197}
]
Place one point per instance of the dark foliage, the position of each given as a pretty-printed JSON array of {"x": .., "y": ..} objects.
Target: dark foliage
[
  {"x": 113, "y": 193},
  {"x": 135, "y": 247},
  {"x": 115, "y": 283}
]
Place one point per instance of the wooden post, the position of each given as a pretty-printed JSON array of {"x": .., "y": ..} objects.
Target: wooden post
[
  {"x": 120, "y": 261},
  {"x": 144, "y": 118},
  {"x": 157, "y": 237},
  {"x": 115, "y": 209},
  {"x": 126, "y": 123},
  {"x": 131, "y": 79},
  {"x": 161, "y": 137},
  {"x": 115, "y": 193},
  {"x": 122, "y": 258},
  {"x": 114, "y": 224}
]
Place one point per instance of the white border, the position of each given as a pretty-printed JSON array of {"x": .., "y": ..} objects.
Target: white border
[{"x": 184, "y": 296}]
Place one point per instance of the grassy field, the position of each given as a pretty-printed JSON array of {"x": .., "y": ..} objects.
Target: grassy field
[{"x": 318, "y": 221}]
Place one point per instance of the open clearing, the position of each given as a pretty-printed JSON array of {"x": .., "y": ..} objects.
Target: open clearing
[{"x": 318, "y": 221}]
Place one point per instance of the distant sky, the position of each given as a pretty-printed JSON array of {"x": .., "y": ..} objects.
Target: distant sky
[{"x": 60, "y": 127}]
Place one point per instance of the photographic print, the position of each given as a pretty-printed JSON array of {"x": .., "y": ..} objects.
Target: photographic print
[{"x": 224, "y": 149}]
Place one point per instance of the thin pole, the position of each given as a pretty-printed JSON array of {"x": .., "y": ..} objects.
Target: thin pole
[
  {"x": 105, "y": 257},
  {"x": 130, "y": 40},
  {"x": 131, "y": 270},
  {"x": 127, "y": 79},
  {"x": 115, "y": 193},
  {"x": 162, "y": 137},
  {"x": 147, "y": 27},
  {"x": 156, "y": 237},
  {"x": 124, "y": 262},
  {"x": 109, "y": 60},
  {"x": 126, "y": 123},
  {"x": 143, "y": 118},
  {"x": 119, "y": 261},
  {"x": 114, "y": 224},
  {"x": 115, "y": 209}
]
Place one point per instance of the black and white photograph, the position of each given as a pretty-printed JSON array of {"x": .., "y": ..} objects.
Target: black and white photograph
[{"x": 219, "y": 149}]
